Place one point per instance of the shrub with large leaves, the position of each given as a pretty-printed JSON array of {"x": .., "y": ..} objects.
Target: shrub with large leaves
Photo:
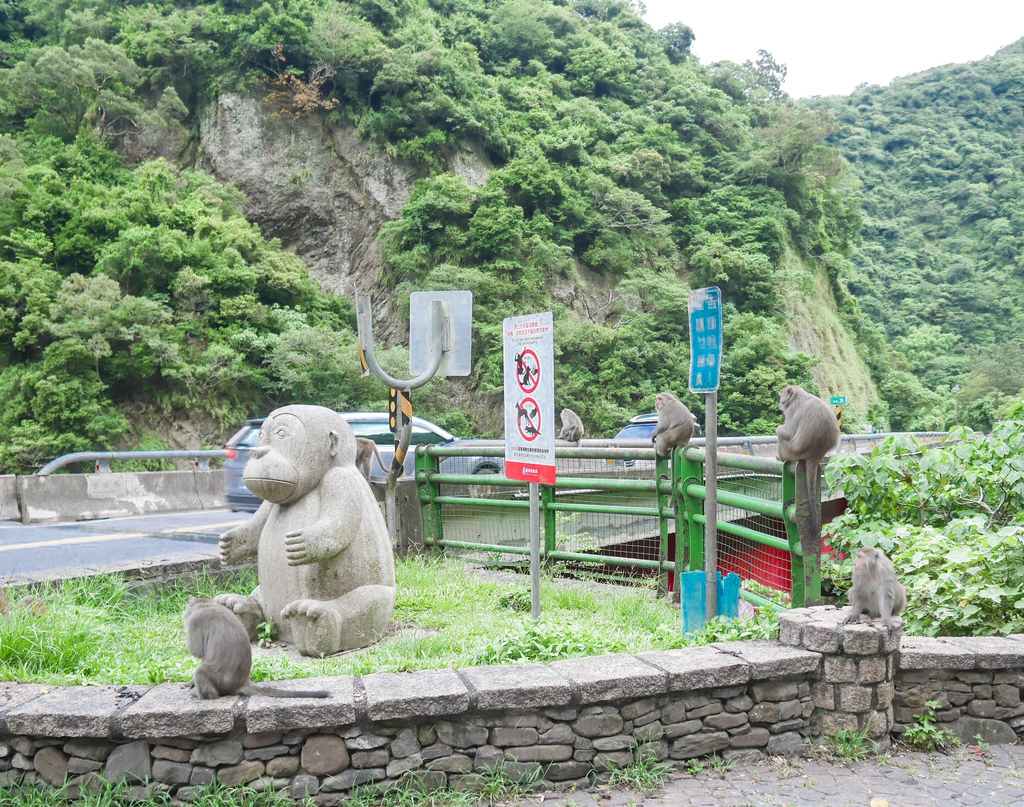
[{"x": 951, "y": 518}]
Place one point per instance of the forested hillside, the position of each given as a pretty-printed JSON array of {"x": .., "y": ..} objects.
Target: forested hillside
[
  {"x": 621, "y": 174},
  {"x": 940, "y": 157}
]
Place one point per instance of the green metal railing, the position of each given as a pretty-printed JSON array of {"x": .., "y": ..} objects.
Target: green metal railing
[{"x": 758, "y": 512}]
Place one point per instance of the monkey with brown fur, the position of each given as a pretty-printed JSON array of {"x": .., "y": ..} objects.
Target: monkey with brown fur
[
  {"x": 808, "y": 432},
  {"x": 572, "y": 426},
  {"x": 675, "y": 424},
  {"x": 875, "y": 590},
  {"x": 366, "y": 450},
  {"x": 216, "y": 635}
]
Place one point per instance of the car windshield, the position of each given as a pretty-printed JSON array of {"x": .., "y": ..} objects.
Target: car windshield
[
  {"x": 245, "y": 437},
  {"x": 637, "y": 431}
]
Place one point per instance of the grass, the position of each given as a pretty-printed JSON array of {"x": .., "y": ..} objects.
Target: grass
[
  {"x": 95, "y": 630},
  {"x": 117, "y": 795}
]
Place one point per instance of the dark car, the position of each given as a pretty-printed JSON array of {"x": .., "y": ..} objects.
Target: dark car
[
  {"x": 373, "y": 425},
  {"x": 641, "y": 427}
]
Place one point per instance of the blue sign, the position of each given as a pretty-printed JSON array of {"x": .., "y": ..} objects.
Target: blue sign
[{"x": 705, "y": 339}]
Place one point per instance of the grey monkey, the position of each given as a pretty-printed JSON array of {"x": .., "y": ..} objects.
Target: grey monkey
[
  {"x": 216, "y": 635},
  {"x": 808, "y": 432},
  {"x": 572, "y": 426},
  {"x": 365, "y": 450},
  {"x": 675, "y": 424},
  {"x": 875, "y": 590}
]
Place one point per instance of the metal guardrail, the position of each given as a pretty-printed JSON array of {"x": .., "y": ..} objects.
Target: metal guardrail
[
  {"x": 764, "y": 529},
  {"x": 101, "y": 459}
]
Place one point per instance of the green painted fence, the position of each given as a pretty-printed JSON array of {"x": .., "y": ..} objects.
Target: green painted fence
[{"x": 622, "y": 507}]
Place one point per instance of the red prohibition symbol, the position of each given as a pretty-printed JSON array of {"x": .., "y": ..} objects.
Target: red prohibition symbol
[
  {"x": 528, "y": 419},
  {"x": 527, "y": 370}
]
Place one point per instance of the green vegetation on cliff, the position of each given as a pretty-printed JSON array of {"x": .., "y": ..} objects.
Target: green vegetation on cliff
[
  {"x": 618, "y": 163},
  {"x": 940, "y": 266}
]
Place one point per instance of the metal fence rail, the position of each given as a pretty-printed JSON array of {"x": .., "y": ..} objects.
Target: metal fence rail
[{"x": 615, "y": 507}]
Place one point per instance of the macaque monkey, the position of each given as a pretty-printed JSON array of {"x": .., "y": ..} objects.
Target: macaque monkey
[
  {"x": 366, "y": 449},
  {"x": 216, "y": 635},
  {"x": 572, "y": 426},
  {"x": 675, "y": 424},
  {"x": 875, "y": 590},
  {"x": 809, "y": 431}
]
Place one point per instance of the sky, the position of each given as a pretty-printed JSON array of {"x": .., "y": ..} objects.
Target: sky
[{"x": 830, "y": 47}]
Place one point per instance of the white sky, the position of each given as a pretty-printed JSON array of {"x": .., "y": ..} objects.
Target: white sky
[{"x": 830, "y": 47}]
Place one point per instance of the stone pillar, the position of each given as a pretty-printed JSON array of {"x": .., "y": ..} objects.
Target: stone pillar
[{"x": 857, "y": 676}]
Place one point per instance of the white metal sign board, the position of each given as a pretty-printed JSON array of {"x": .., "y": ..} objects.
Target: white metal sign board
[
  {"x": 705, "y": 339},
  {"x": 529, "y": 363}
]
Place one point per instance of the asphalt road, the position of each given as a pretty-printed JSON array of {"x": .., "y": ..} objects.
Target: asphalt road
[{"x": 78, "y": 546}]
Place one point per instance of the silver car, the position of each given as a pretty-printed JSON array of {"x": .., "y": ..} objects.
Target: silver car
[{"x": 373, "y": 425}]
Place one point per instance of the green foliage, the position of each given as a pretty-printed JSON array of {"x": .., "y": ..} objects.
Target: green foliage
[
  {"x": 845, "y": 746},
  {"x": 546, "y": 641},
  {"x": 939, "y": 266},
  {"x": 925, "y": 735},
  {"x": 950, "y": 518},
  {"x": 146, "y": 285},
  {"x": 614, "y": 162}
]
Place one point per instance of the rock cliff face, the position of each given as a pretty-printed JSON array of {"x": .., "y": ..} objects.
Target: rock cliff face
[{"x": 321, "y": 190}]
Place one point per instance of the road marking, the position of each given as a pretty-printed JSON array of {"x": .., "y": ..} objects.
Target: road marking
[
  {"x": 116, "y": 536},
  {"x": 201, "y": 527},
  {"x": 84, "y": 539}
]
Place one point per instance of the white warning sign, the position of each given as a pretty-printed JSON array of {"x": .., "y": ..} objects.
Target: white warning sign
[{"x": 529, "y": 362}]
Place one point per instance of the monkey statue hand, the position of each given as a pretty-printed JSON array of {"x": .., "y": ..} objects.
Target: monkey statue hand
[
  {"x": 314, "y": 543},
  {"x": 245, "y": 608},
  {"x": 239, "y": 544}
]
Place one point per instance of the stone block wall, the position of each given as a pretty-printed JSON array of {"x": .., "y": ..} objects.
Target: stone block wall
[
  {"x": 977, "y": 681},
  {"x": 855, "y": 689},
  {"x": 565, "y": 722}
]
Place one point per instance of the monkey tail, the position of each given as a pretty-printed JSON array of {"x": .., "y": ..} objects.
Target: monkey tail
[{"x": 275, "y": 692}]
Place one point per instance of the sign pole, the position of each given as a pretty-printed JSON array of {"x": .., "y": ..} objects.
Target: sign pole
[
  {"x": 534, "y": 550},
  {"x": 711, "y": 505},
  {"x": 706, "y": 334},
  {"x": 529, "y": 369}
]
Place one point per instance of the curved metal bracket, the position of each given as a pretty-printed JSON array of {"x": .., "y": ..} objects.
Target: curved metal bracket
[{"x": 365, "y": 323}]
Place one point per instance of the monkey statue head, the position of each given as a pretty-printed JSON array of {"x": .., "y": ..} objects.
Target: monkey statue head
[{"x": 297, "y": 445}]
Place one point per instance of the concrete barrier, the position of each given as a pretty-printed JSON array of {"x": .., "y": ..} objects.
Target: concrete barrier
[
  {"x": 79, "y": 497},
  {"x": 9, "y": 510}
]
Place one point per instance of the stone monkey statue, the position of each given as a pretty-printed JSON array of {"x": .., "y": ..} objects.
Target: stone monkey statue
[
  {"x": 366, "y": 450},
  {"x": 214, "y": 634},
  {"x": 572, "y": 426},
  {"x": 675, "y": 424},
  {"x": 875, "y": 590},
  {"x": 324, "y": 559},
  {"x": 808, "y": 432}
]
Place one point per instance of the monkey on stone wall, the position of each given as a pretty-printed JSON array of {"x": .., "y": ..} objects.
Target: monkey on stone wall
[
  {"x": 214, "y": 634},
  {"x": 675, "y": 424},
  {"x": 875, "y": 590}
]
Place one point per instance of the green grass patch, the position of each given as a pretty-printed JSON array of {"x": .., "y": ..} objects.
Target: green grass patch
[{"x": 95, "y": 630}]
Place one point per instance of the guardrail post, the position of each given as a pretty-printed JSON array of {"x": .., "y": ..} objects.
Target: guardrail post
[
  {"x": 547, "y": 498},
  {"x": 433, "y": 528},
  {"x": 685, "y": 471},
  {"x": 803, "y": 534},
  {"x": 665, "y": 500}
]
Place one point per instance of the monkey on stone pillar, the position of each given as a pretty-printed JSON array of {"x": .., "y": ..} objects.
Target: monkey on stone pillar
[{"x": 875, "y": 590}]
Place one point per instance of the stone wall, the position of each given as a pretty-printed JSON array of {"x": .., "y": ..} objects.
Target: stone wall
[
  {"x": 977, "y": 682},
  {"x": 566, "y": 722}
]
